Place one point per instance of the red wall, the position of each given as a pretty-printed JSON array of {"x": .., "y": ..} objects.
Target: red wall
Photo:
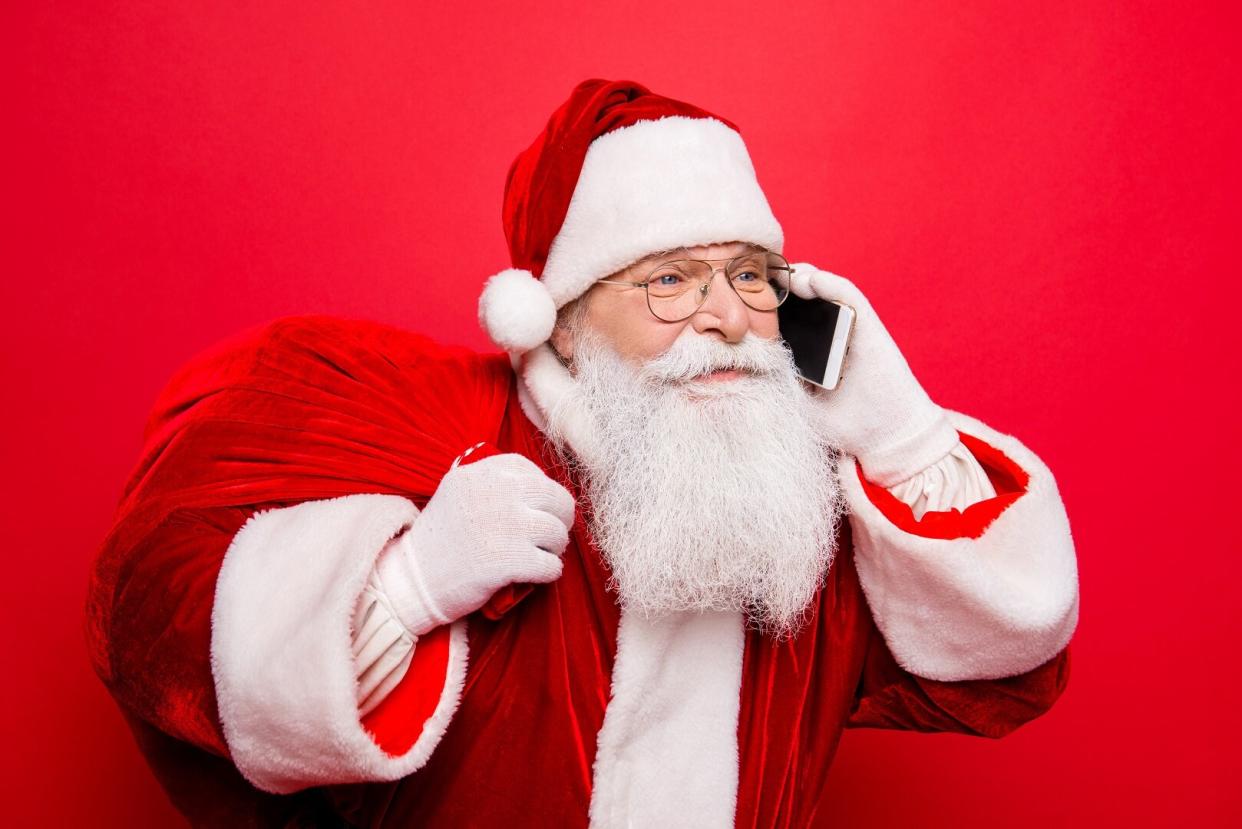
[{"x": 1040, "y": 203}]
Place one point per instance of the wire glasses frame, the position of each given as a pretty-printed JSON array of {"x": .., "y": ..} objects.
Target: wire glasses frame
[{"x": 678, "y": 288}]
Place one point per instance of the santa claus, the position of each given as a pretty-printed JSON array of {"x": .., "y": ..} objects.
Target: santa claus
[{"x": 634, "y": 573}]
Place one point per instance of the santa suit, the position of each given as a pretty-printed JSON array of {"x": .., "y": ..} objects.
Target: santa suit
[{"x": 279, "y": 465}]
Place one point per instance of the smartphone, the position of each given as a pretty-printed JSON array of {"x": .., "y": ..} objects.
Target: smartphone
[{"x": 818, "y": 333}]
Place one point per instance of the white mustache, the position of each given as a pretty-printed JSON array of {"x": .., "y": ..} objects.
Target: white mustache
[{"x": 694, "y": 354}]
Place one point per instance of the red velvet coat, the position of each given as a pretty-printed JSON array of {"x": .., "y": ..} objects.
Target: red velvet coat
[{"x": 315, "y": 407}]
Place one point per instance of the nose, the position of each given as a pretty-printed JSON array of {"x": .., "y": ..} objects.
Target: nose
[{"x": 722, "y": 313}]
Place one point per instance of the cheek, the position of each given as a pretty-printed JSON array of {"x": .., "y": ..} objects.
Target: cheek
[
  {"x": 658, "y": 338},
  {"x": 629, "y": 326},
  {"x": 642, "y": 337},
  {"x": 765, "y": 324}
]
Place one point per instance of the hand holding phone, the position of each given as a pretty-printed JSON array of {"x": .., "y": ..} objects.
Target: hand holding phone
[
  {"x": 818, "y": 332},
  {"x": 881, "y": 415}
]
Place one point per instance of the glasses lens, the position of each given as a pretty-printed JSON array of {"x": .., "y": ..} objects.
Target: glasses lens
[
  {"x": 760, "y": 279},
  {"x": 675, "y": 289}
]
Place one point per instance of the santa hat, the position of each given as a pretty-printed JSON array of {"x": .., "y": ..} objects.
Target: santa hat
[{"x": 618, "y": 173}]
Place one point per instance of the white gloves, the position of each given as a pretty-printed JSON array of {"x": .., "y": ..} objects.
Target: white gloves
[
  {"x": 491, "y": 523},
  {"x": 879, "y": 413}
]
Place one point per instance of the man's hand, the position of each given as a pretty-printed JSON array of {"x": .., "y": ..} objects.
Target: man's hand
[
  {"x": 878, "y": 413},
  {"x": 490, "y": 523}
]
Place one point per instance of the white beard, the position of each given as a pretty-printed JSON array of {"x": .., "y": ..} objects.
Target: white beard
[{"x": 707, "y": 496}]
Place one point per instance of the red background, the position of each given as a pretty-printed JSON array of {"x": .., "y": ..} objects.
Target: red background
[{"x": 1040, "y": 203}]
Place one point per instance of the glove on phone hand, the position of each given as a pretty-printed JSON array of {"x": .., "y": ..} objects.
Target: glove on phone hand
[
  {"x": 878, "y": 413},
  {"x": 490, "y": 523}
]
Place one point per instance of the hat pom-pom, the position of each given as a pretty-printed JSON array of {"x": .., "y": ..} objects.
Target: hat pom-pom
[{"x": 516, "y": 311}]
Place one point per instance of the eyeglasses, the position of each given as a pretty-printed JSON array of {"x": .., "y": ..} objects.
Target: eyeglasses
[{"x": 676, "y": 289}]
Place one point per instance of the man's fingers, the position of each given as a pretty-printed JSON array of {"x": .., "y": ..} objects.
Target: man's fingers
[
  {"x": 539, "y": 568},
  {"x": 548, "y": 532},
  {"x": 800, "y": 280},
  {"x": 508, "y": 463},
  {"x": 830, "y": 286},
  {"x": 536, "y": 488},
  {"x": 550, "y": 497},
  {"x": 809, "y": 282}
]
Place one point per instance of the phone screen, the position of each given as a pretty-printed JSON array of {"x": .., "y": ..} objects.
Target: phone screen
[{"x": 809, "y": 326}]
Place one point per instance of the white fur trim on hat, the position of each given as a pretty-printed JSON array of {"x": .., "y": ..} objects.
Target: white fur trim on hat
[
  {"x": 516, "y": 311},
  {"x": 657, "y": 185}
]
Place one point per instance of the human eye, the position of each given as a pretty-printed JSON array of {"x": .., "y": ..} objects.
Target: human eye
[
  {"x": 668, "y": 279},
  {"x": 750, "y": 277}
]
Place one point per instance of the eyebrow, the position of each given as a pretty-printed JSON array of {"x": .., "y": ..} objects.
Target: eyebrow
[
  {"x": 660, "y": 254},
  {"x": 681, "y": 252}
]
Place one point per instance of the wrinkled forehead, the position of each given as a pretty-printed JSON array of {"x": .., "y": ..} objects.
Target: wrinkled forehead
[{"x": 726, "y": 250}]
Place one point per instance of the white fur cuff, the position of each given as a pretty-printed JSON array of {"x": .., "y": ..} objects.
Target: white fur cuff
[
  {"x": 281, "y": 649},
  {"x": 972, "y": 608}
]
